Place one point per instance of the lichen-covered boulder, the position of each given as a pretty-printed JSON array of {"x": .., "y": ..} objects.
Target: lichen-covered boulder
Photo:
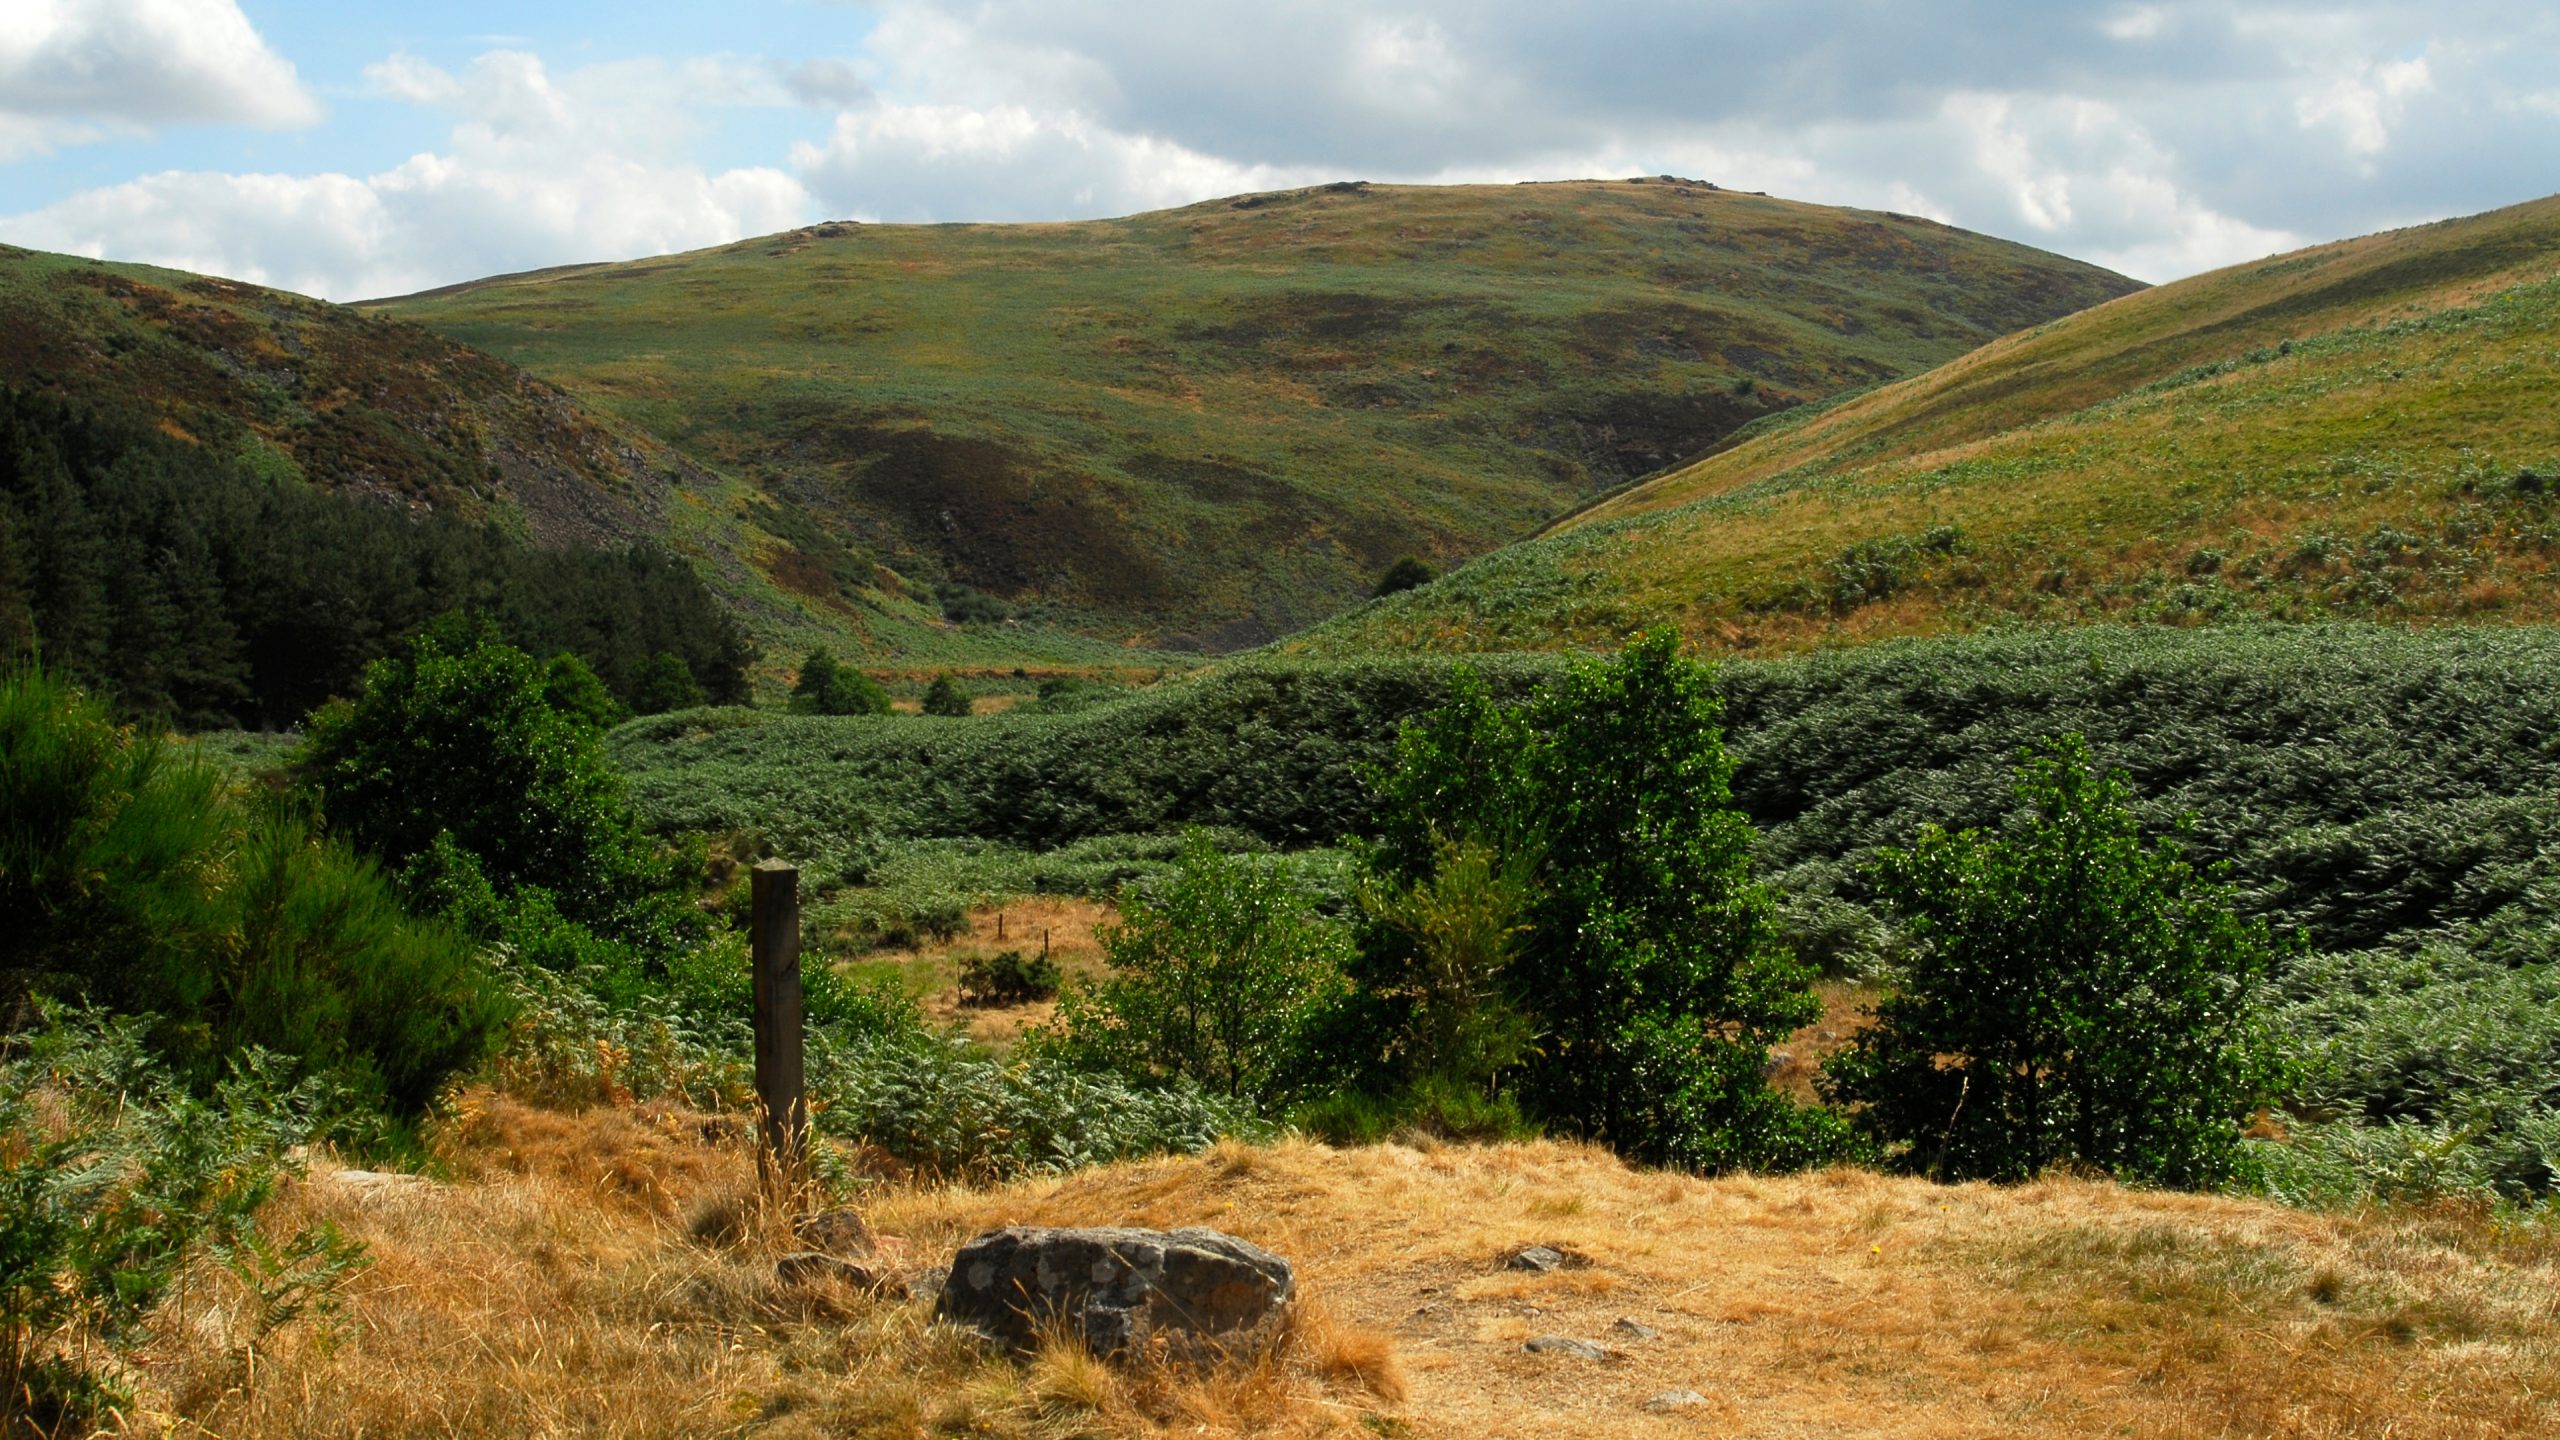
[{"x": 1191, "y": 1293}]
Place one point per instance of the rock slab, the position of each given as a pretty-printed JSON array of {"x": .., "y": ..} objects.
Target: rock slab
[{"x": 1194, "y": 1293}]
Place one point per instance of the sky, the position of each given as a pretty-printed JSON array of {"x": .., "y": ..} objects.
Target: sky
[{"x": 352, "y": 150}]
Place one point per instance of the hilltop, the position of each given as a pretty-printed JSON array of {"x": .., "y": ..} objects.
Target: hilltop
[
  {"x": 2358, "y": 429},
  {"x": 1210, "y": 426}
]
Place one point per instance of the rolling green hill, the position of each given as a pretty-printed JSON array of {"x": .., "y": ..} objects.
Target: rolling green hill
[
  {"x": 1206, "y": 427},
  {"x": 2362, "y": 429}
]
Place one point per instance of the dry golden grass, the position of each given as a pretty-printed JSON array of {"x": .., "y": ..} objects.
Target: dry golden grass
[
  {"x": 1063, "y": 925},
  {"x": 550, "y": 1292}
]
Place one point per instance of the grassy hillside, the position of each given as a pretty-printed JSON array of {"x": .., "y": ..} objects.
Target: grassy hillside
[
  {"x": 1210, "y": 426},
  {"x": 2362, "y": 428},
  {"x": 302, "y": 390}
]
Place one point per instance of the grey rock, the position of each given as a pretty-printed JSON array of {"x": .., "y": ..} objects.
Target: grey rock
[
  {"x": 1676, "y": 1400},
  {"x": 811, "y": 1267},
  {"x": 1634, "y": 1330},
  {"x": 1541, "y": 1258},
  {"x": 1196, "y": 1293},
  {"x": 1566, "y": 1345}
]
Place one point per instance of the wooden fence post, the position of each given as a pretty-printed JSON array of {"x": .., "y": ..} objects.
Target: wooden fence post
[{"x": 774, "y": 944}]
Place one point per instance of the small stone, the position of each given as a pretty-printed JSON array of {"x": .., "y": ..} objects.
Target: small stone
[
  {"x": 1541, "y": 1258},
  {"x": 1676, "y": 1400},
  {"x": 809, "y": 1267},
  {"x": 840, "y": 1231},
  {"x": 1566, "y": 1345},
  {"x": 1635, "y": 1331}
]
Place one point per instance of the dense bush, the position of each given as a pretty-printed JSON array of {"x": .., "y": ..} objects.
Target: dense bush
[
  {"x": 2075, "y": 994},
  {"x": 1647, "y": 961},
  {"x": 1218, "y": 973},
  {"x": 198, "y": 588},
  {"x": 945, "y": 697},
  {"x": 131, "y": 877},
  {"x": 456, "y": 737},
  {"x": 824, "y": 687},
  {"x": 1008, "y": 978}
]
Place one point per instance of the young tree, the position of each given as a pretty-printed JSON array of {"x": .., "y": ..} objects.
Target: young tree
[
  {"x": 2076, "y": 994},
  {"x": 1216, "y": 973},
  {"x": 1648, "y": 960},
  {"x": 945, "y": 697}
]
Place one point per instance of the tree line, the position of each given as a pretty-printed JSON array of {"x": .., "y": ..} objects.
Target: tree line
[{"x": 206, "y": 591}]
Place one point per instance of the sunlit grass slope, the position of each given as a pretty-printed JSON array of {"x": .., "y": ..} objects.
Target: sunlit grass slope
[
  {"x": 2366, "y": 428},
  {"x": 1213, "y": 425}
]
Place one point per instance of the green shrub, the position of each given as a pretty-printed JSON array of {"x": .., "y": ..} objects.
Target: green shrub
[
  {"x": 1647, "y": 959},
  {"x": 130, "y": 877},
  {"x": 1457, "y": 931},
  {"x": 825, "y": 687},
  {"x": 1217, "y": 974},
  {"x": 1008, "y": 978},
  {"x": 945, "y": 697},
  {"x": 2075, "y": 993},
  {"x": 574, "y": 691},
  {"x": 456, "y": 737},
  {"x": 1408, "y": 572}
]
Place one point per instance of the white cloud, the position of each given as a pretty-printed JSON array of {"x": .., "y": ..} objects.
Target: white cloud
[
  {"x": 2364, "y": 104},
  {"x": 1009, "y": 162},
  {"x": 1903, "y": 199},
  {"x": 538, "y": 170},
  {"x": 2142, "y": 22},
  {"x": 75, "y": 70}
]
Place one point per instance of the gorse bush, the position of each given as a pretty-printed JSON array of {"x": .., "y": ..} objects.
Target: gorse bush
[
  {"x": 2075, "y": 993},
  {"x": 131, "y": 878},
  {"x": 945, "y": 697},
  {"x": 1008, "y": 978}
]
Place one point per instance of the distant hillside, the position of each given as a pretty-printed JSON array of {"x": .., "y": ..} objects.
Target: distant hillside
[
  {"x": 346, "y": 401},
  {"x": 2359, "y": 429},
  {"x": 305, "y": 391},
  {"x": 1209, "y": 426}
]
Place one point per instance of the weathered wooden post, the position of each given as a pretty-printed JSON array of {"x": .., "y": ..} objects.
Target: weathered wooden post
[{"x": 773, "y": 938}]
